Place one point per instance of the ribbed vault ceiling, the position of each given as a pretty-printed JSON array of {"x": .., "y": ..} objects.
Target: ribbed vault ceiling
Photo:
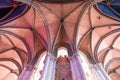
[{"x": 39, "y": 27}]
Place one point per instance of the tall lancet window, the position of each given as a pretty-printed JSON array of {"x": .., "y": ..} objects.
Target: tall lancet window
[
  {"x": 63, "y": 71},
  {"x": 39, "y": 67},
  {"x": 86, "y": 66},
  {"x": 62, "y": 51}
]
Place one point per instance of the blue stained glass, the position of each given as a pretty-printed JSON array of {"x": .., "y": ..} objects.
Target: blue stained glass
[
  {"x": 17, "y": 11},
  {"x": 112, "y": 10},
  {"x": 9, "y": 12},
  {"x": 5, "y": 3},
  {"x": 116, "y": 8},
  {"x": 106, "y": 10},
  {"x": 115, "y": 1}
]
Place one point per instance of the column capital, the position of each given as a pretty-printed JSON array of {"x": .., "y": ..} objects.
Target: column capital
[
  {"x": 53, "y": 58},
  {"x": 29, "y": 67},
  {"x": 100, "y": 64},
  {"x": 92, "y": 66},
  {"x": 73, "y": 56},
  {"x": 96, "y": 66}
]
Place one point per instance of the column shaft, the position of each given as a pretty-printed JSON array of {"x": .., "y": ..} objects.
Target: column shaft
[
  {"x": 73, "y": 68},
  {"x": 80, "y": 68},
  {"x": 100, "y": 73},
  {"x": 49, "y": 68},
  {"x": 77, "y": 71},
  {"x": 26, "y": 73}
]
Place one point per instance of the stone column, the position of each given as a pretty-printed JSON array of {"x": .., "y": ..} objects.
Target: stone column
[
  {"x": 77, "y": 70},
  {"x": 100, "y": 72},
  {"x": 96, "y": 76},
  {"x": 49, "y": 68},
  {"x": 103, "y": 71},
  {"x": 73, "y": 68},
  {"x": 95, "y": 71},
  {"x": 78, "y": 59},
  {"x": 26, "y": 73}
]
